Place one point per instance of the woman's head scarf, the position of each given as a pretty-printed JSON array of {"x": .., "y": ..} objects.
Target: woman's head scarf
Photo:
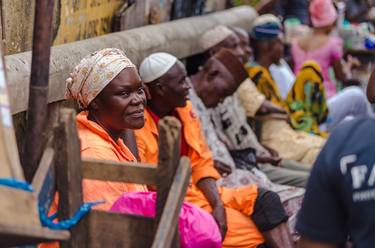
[
  {"x": 322, "y": 13},
  {"x": 94, "y": 73}
]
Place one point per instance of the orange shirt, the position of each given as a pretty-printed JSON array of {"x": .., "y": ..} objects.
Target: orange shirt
[
  {"x": 198, "y": 152},
  {"x": 238, "y": 202},
  {"x": 97, "y": 144}
]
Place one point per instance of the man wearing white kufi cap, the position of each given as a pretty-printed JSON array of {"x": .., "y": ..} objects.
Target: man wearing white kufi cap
[{"x": 234, "y": 209}]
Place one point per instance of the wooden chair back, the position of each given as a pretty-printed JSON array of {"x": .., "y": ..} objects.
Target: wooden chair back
[{"x": 62, "y": 166}]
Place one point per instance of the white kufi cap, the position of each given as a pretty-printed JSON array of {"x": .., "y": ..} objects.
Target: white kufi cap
[{"x": 155, "y": 66}]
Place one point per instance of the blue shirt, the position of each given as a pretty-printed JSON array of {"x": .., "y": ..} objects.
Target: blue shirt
[{"x": 340, "y": 196}]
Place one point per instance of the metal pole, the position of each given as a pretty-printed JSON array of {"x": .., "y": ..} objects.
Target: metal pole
[{"x": 38, "y": 95}]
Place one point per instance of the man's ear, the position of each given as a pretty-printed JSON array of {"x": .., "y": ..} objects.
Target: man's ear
[{"x": 147, "y": 91}]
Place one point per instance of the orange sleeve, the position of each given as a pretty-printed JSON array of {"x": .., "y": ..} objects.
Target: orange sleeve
[{"x": 201, "y": 159}]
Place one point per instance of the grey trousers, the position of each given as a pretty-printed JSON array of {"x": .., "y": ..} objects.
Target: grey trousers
[
  {"x": 288, "y": 173},
  {"x": 345, "y": 105}
]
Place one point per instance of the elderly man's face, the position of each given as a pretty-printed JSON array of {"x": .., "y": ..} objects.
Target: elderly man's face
[
  {"x": 244, "y": 43},
  {"x": 121, "y": 103},
  {"x": 173, "y": 86},
  {"x": 233, "y": 44},
  {"x": 214, "y": 82}
]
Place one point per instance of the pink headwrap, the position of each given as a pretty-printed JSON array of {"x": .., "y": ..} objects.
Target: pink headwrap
[{"x": 322, "y": 13}]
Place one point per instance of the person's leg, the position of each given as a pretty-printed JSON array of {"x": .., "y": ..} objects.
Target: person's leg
[
  {"x": 285, "y": 176},
  {"x": 270, "y": 218},
  {"x": 350, "y": 102}
]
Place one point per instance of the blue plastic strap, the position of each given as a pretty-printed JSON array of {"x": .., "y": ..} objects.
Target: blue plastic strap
[
  {"x": 16, "y": 184},
  {"x": 48, "y": 221},
  {"x": 69, "y": 223}
]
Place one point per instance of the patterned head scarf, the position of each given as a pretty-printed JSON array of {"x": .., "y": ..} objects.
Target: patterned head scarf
[
  {"x": 214, "y": 36},
  {"x": 94, "y": 73}
]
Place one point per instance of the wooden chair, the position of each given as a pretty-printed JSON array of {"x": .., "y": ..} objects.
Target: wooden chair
[
  {"x": 62, "y": 166},
  {"x": 19, "y": 217}
]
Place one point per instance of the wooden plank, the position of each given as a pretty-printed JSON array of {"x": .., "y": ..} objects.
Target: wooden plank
[
  {"x": 11, "y": 236},
  {"x": 9, "y": 157},
  {"x": 166, "y": 231},
  {"x": 18, "y": 207},
  {"x": 44, "y": 179},
  {"x": 168, "y": 160},
  {"x": 132, "y": 16},
  {"x": 68, "y": 174},
  {"x": 119, "y": 230},
  {"x": 119, "y": 172}
]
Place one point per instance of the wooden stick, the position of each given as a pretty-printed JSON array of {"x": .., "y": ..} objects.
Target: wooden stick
[{"x": 36, "y": 135}]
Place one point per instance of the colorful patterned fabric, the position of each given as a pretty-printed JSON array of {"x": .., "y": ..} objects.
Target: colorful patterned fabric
[
  {"x": 265, "y": 84},
  {"x": 307, "y": 100},
  {"x": 93, "y": 73}
]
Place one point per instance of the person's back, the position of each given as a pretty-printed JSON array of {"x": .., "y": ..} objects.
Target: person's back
[{"x": 343, "y": 183}]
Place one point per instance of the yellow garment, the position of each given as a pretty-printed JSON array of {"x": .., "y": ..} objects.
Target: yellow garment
[
  {"x": 307, "y": 100},
  {"x": 250, "y": 97},
  {"x": 291, "y": 144},
  {"x": 238, "y": 202},
  {"x": 278, "y": 134},
  {"x": 266, "y": 85}
]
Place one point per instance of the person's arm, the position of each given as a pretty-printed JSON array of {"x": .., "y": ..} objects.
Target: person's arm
[
  {"x": 208, "y": 187},
  {"x": 371, "y": 88},
  {"x": 222, "y": 168},
  {"x": 306, "y": 243},
  {"x": 342, "y": 76}
]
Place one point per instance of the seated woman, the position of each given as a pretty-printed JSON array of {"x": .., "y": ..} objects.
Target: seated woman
[
  {"x": 111, "y": 95},
  {"x": 327, "y": 50}
]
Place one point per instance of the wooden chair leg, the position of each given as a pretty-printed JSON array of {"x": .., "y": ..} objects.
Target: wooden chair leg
[
  {"x": 68, "y": 173},
  {"x": 169, "y": 156}
]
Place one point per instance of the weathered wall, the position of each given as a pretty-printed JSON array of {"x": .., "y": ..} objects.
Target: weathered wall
[
  {"x": 76, "y": 19},
  {"x": 18, "y": 20},
  {"x": 73, "y": 20},
  {"x": 180, "y": 38},
  {"x": 82, "y": 19}
]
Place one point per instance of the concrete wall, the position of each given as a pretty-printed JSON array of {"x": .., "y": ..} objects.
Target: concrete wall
[
  {"x": 178, "y": 37},
  {"x": 76, "y": 19}
]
